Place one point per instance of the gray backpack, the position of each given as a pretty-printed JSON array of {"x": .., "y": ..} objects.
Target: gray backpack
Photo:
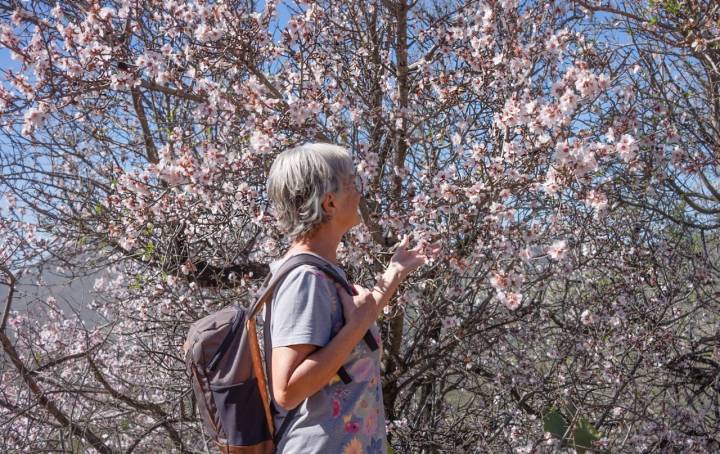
[{"x": 229, "y": 382}]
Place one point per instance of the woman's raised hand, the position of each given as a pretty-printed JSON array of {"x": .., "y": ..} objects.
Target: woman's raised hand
[
  {"x": 406, "y": 260},
  {"x": 366, "y": 305}
]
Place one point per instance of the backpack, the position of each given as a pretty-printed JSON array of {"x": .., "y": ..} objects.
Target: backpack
[{"x": 229, "y": 382}]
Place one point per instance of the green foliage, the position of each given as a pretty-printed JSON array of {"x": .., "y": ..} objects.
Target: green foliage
[
  {"x": 672, "y": 7},
  {"x": 585, "y": 434},
  {"x": 137, "y": 283},
  {"x": 148, "y": 251},
  {"x": 669, "y": 6},
  {"x": 575, "y": 431},
  {"x": 555, "y": 423}
]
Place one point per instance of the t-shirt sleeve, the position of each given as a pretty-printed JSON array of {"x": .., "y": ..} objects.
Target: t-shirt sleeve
[{"x": 302, "y": 309}]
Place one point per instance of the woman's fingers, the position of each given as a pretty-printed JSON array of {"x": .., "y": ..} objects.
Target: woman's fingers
[
  {"x": 435, "y": 248},
  {"x": 411, "y": 259},
  {"x": 355, "y": 289},
  {"x": 427, "y": 249},
  {"x": 404, "y": 243}
]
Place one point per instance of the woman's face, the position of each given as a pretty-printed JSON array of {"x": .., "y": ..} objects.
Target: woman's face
[{"x": 348, "y": 202}]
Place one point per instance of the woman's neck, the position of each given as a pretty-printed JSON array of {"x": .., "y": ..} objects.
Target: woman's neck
[{"x": 320, "y": 243}]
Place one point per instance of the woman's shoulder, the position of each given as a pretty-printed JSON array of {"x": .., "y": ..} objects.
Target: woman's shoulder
[
  {"x": 305, "y": 279},
  {"x": 306, "y": 271}
]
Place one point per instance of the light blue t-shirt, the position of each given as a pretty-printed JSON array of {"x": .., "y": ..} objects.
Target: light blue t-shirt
[{"x": 340, "y": 418}]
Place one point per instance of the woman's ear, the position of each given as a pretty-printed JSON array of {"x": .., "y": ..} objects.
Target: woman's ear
[{"x": 328, "y": 204}]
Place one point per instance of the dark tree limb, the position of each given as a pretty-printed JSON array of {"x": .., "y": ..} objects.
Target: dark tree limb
[{"x": 79, "y": 431}]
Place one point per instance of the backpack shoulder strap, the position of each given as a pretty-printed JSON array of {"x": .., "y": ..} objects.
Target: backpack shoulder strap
[{"x": 272, "y": 280}]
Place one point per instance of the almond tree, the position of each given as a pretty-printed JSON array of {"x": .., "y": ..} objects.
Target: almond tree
[{"x": 138, "y": 136}]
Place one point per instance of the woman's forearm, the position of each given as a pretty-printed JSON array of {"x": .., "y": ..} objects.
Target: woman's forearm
[
  {"x": 386, "y": 285},
  {"x": 318, "y": 368}
]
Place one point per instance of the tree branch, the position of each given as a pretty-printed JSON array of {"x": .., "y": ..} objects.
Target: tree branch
[{"x": 82, "y": 432}]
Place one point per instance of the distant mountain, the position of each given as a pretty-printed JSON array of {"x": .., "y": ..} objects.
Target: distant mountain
[{"x": 72, "y": 295}]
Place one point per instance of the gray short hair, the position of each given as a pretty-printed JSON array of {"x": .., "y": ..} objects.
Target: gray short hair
[{"x": 298, "y": 181}]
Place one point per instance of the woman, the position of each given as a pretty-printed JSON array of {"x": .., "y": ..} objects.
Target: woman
[{"x": 316, "y": 326}]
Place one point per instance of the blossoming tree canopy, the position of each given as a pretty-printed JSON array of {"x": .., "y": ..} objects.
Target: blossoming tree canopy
[{"x": 138, "y": 137}]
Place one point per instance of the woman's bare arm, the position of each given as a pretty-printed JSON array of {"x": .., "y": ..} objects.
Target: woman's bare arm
[{"x": 299, "y": 371}]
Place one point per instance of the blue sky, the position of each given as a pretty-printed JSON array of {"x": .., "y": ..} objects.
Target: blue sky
[{"x": 6, "y": 63}]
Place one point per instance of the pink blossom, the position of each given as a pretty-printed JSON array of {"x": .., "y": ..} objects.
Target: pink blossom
[
  {"x": 106, "y": 13},
  {"x": 498, "y": 280},
  {"x": 526, "y": 254},
  {"x": 530, "y": 106},
  {"x": 587, "y": 317},
  {"x": 557, "y": 250},
  {"x": 260, "y": 143},
  {"x": 562, "y": 153},
  {"x": 553, "y": 44},
  {"x": 568, "y": 102},
  {"x": 450, "y": 322},
  {"x": 627, "y": 147},
  {"x": 456, "y": 139},
  {"x": 128, "y": 242},
  {"x": 7, "y": 37},
  {"x": 34, "y": 118},
  {"x": 188, "y": 267},
  {"x": 678, "y": 155},
  {"x": 550, "y": 115},
  {"x": 206, "y": 34},
  {"x": 550, "y": 185},
  {"x": 511, "y": 300},
  {"x": 596, "y": 200},
  {"x": 120, "y": 81}
]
